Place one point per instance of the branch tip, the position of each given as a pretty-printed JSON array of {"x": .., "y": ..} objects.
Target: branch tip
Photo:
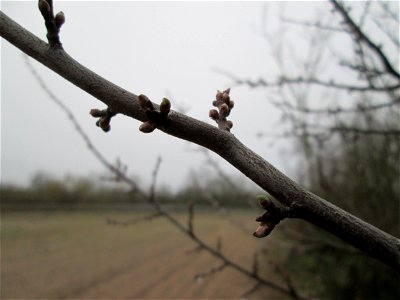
[
  {"x": 45, "y": 9},
  {"x": 59, "y": 19}
]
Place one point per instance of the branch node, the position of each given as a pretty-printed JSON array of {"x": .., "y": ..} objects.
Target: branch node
[
  {"x": 104, "y": 116},
  {"x": 156, "y": 117},
  {"x": 224, "y": 104},
  {"x": 270, "y": 218},
  {"x": 52, "y": 23}
]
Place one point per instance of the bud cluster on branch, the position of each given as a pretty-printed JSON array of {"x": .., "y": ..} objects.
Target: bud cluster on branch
[
  {"x": 270, "y": 218},
  {"x": 104, "y": 116},
  {"x": 156, "y": 117},
  {"x": 53, "y": 23},
  {"x": 224, "y": 104}
]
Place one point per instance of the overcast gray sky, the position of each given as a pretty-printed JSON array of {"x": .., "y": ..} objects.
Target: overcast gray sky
[{"x": 156, "y": 48}]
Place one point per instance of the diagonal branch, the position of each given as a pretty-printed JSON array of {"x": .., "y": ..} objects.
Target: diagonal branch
[{"x": 302, "y": 203}]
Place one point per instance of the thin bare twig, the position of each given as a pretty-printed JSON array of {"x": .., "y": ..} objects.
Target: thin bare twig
[
  {"x": 190, "y": 217},
  {"x": 251, "y": 290},
  {"x": 134, "y": 220},
  {"x": 212, "y": 271},
  {"x": 286, "y": 277},
  {"x": 337, "y": 110},
  {"x": 300, "y": 80},
  {"x": 316, "y": 25}
]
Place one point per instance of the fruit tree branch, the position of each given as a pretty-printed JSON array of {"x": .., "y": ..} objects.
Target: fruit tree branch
[{"x": 301, "y": 203}]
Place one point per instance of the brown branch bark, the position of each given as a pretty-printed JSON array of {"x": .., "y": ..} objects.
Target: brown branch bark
[{"x": 302, "y": 203}]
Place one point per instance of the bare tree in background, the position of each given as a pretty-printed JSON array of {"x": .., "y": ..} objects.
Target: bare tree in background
[
  {"x": 295, "y": 201},
  {"x": 359, "y": 76},
  {"x": 342, "y": 109}
]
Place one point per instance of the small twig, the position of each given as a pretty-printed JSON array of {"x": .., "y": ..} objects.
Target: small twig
[
  {"x": 251, "y": 290},
  {"x": 52, "y": 23},
  {"x": 219, "y": 244},
  {"x": 302, "y": 80},
  {"x": 255, "y": 266},
  {"x": 355, "y": 130},
  {"x": 190, "y": 217},
  {"x": 152, "y": 193},
  {"x": 288, "y": 280},
  {"x": 196, "y": 249},
  {"x": 212, "y": 271},
  {"x": 365, "y": 131},
  {"x": 329, "y": 84},
  {"x": 337, "y": 110},
  {"x": 317, "y": 25},
  {"x": 133, "y": 221}
]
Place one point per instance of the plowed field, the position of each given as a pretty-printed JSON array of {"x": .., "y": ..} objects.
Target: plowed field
[{"x": 78, "y": 255}]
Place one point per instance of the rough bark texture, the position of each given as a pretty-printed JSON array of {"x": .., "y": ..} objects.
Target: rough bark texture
[{"x": 303, "y": 204}]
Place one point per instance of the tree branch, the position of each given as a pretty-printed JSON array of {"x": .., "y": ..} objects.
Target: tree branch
[
  {"x": 337, "y": 110},
  {"x": 260, "y": 82},
  {"x": 361, "y": 36},
  {"x": 151, "y": 198},
  {"x": 302, "y": 203}
]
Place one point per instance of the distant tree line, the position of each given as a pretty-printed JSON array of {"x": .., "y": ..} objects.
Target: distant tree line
[{"x": 48, "y": 192}]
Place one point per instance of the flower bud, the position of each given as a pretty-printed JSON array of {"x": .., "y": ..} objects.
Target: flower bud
[
  {"x": 147, "y": 127},
  {"x": 229, "y": 124},
  {"x": 263, "y": 230},
  {"x": 104, "y": 123},
  {"x": 96, "y": 113},
  {"x": 219, "y": 95},
  {"x": 165, "y": 106},
  {"x": 231, "y": 104},
  {"x": 45, "y": 9},
  {"x": 265, "y": 201},
  {"x": 59, "y": 19},
  {"x": 145, "y": 102},
  {"x": 224, "y": 110},
  {"x": 225, "y": 98},
  {"x": 106, "y": 128},
  {"x": 213, "y": 114}
]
